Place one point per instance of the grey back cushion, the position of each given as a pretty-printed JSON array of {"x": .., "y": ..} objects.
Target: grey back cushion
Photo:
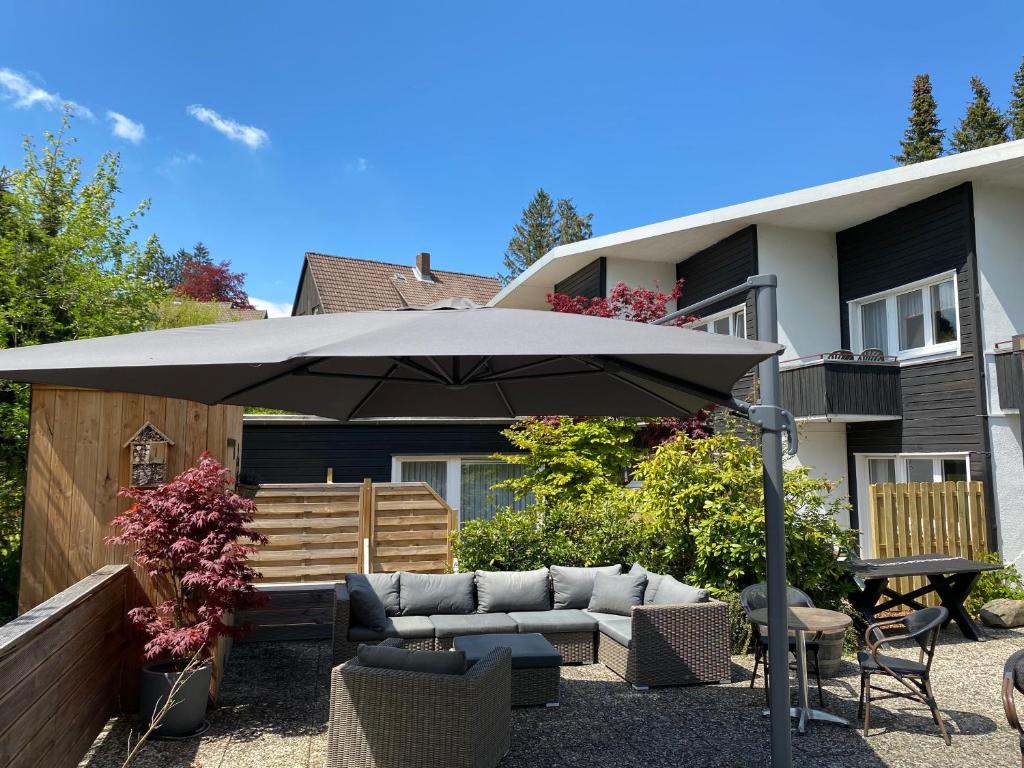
[
  {"x": 653, "y": 582},
  {"x": 672, "y": 591},
  {"x": 618, "y": 594},
  {"x": 424, "y": 594},
  {"x": 573, "y": 586},
  {"x": 503, "y": 591},
  {"x": 433, "y": 662},
  {"x": 365, "y": 604}
]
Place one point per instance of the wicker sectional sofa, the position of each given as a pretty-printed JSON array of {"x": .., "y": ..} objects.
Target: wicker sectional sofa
[{"x": 657, "y": 644}]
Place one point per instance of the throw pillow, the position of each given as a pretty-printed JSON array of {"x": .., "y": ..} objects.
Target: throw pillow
[
  {"x": 424, "y": 594},
  {"x": 673, "y": 591},
  {"x": 365, "y": 605},
  {"x": 503, "y": 591},
  {"x": 653, "y": 582},
  {"x": 617, "y": 594},
  {"x": 433, "y": 662},
  {"x": 574, "y": 586}
]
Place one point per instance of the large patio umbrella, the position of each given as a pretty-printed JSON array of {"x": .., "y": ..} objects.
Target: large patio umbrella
[{"x": 456, "y": 361}]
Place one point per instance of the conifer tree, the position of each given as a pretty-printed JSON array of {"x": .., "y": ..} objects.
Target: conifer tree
[
  {"x": 983, "y": 125},
  {"x": 922, "y": 140},
  {"x": 544, "y": 224},
  {"x": 1016, "y": 111},
  {"x": 571, "y": 226}
]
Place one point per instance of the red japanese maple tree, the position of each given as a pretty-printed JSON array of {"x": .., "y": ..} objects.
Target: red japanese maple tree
[
  {"x": 189, "y": 534},
  {"x": 206, "y": 281},
  {"x": 640, "y": 305}
]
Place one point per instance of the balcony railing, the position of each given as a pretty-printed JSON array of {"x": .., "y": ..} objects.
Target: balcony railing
[{"x": 833, "y": 386}]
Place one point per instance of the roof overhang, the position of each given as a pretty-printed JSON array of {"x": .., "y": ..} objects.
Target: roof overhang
[{"x": 826, "y": 208}]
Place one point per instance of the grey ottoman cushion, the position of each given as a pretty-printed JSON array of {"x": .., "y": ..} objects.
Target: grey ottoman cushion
[
  {"x": 407, "y": 627},
  {"x": 472, "y": 624},
  {"x": 573, "y": 586},
  {"x": 367, "y": 595},
  {"x": 619, "y": 630},
  {"x": 529, "y": 651},
  {"x": 672, "y": 591},
  {"x": 434, "y": 662},
  {"x": 503, "y": 591},
  {"x": 568, "y": 620},
  {"x": 424, "y": 594},
  {"x": 618, "y": 594}
]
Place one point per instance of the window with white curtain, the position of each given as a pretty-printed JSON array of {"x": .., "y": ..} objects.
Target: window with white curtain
[
  {"x": 916, "y": 320},
  {"x": 465, "y": 482},
  {"x": 732, "y": 322},
  {"x": 917, "y": 468}
]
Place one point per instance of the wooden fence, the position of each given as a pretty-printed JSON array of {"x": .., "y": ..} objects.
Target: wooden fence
[
  {"x": 61, "y": 671},
  {"x": 321, "y": 531},
  {"x": 925, "y": 518}
]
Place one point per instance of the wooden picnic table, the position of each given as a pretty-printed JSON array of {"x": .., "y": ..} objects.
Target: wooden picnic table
[{"x": 951, "y": 578}]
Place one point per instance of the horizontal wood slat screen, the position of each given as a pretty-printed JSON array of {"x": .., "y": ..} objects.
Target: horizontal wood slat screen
[
  {"x": 321, "y": 531},
  {"x": 61, "y": 671},
  {"x": 925, "y": 518}
]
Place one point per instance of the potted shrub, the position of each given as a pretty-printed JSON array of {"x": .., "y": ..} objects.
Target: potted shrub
[
  {"x": 193, "y": 540},
  {"x": 247, "y": 485}
]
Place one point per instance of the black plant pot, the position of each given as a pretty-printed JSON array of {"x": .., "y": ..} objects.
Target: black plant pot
[{"x": 187, "y": 715}]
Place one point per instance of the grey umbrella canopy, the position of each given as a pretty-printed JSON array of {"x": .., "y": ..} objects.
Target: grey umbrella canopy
[{"x": 454, "y": 362}]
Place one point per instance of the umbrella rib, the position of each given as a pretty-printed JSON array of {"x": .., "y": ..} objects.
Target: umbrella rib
[
  {"x": 504, "y": 399},
  {"x": 646, "y": 391},
  {"x": 483, "y": 361},
  {"x": 360, "y": 377},
  {"x": 373, "y": 390},
  {"x": 412, "y": 365},
  {"x": 710, "y": 395},
  {"x": 303, "y": 366},
  {"x": 504, "y": 375}
]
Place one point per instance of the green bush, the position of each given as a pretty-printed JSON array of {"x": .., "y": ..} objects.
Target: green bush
[{"x": 991, "y": 585}]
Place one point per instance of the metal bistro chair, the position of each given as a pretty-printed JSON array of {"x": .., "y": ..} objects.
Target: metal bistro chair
[
  {"x": 1013, "y": 680},
  {"x": 756, "y": 596},
  {"x": 872, "y": 355},
  {"x": 922, "y": 626},
  {"x": 840, "y": 354}
]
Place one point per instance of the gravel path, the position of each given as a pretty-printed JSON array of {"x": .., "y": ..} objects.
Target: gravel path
[{"x": 273, "y": 712}]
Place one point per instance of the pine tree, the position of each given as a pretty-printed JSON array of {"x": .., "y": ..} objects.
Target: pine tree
[
  {"x": 922, "y": 140},
  {"x": 983, "y": 125},
  {"x": 545, "y": 223},
  {"x": 1016, "y": 111},
  {"x": 200, "y": 253}
]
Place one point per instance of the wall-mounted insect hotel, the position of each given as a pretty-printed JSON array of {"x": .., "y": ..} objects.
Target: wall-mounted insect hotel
[{"x": 148, "y": 448}]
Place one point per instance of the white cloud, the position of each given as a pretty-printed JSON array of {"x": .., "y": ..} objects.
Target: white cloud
[
  {"x": 126, "y": 128},
  {"x": 15, "y": 86},
  {"x": 274, "y": 308},
  {"x": 176, "y": 162},
  {"x": 251, "y": 136},
  {"x": 358, "y": 166}
]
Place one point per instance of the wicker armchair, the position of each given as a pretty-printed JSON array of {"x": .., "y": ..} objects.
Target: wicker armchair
[
  {"x": 672, "y": 645},
  {"x": 386, "y": 718},
  {"x": 1013, "y": 683}
]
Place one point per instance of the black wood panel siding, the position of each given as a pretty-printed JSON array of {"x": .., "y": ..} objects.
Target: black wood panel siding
[
  {"x": 718, "y": 268},
  {"x": 1010, "y": 379},
  {"x": 830, "y": 388},
  {"x": 590, "y": 281},
  {"x": 302, "y": 453}
]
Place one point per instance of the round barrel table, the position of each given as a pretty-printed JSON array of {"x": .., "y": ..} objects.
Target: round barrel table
[{"x": 801, "y": 621}]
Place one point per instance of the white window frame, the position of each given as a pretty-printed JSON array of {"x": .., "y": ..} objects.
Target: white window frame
[
  {"x": 453, "y": 476},
  {"x": 930, "y": 349},
  {"x": 900, "y": 459},
  {"x": 737, "y": 318}
]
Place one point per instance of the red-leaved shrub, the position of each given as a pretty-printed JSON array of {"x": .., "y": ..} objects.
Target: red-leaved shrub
[{"x": 189, "y": 534}]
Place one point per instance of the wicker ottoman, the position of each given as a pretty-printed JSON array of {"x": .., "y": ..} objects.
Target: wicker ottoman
[{"x": 536, "y": 664}]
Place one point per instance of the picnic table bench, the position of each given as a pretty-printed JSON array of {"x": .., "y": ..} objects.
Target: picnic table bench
[{"x": 951, "y": 578}]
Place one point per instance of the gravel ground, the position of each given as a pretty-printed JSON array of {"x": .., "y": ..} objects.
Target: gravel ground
[{"x": 273, "y": 712}]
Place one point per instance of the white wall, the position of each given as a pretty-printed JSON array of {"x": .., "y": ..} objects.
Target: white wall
[
  {"x": 654, "y": 275},
  {"x": 807, "y": 267},
  {"x": 999, "y": 235},
  {"x": 823, "y": 449}
]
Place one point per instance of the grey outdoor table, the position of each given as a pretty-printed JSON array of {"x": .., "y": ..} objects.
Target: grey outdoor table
[
  {"x": 951, "y": 578},
  {"x": 801, "y": 621}
]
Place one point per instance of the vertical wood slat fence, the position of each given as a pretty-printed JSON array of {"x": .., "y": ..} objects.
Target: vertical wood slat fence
[
  {"x": 925, "y": 518},
  {"x": 321, "y": 531}
]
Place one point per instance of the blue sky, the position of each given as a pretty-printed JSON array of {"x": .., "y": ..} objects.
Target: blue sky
[{"x": 380, "y": 130}]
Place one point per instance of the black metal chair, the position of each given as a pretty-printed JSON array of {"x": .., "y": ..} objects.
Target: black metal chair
[
  {"x": 921, "y": 626},
  {"x": 872, "y": 355},
  {"x": 1013, "y": 681},
  {"x": 755, "y": 597}
]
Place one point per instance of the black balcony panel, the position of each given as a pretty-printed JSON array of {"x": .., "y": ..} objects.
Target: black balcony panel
[
  {"x": 1010, "y": 378},
  {"x": 835, "y": 389}
]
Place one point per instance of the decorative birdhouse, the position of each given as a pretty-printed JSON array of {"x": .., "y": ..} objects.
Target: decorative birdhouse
[{"x": 148, "y": 448}]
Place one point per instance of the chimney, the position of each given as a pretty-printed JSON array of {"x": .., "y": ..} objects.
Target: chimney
[{"x": 423, "y": 266}]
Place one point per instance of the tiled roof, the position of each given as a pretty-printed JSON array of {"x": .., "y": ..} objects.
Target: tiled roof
[
  {"x": 227, "y": 312},
  {"x": 354, "y": 285}
]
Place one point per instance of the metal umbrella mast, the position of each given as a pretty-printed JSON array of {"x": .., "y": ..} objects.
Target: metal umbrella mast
[{"x": 773, "y": 421}]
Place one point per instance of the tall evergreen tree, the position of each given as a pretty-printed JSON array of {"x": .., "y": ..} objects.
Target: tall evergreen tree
[
  {"x": 983, "y": 125},
  {"x": 922, "y": 140},
  {"x": 1016, "y": 111},
  {"x": 545, "y": 223},
  {"x": 201, "y": 254}
]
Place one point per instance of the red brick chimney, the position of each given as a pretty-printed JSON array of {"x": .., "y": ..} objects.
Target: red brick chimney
[{"x": 423, "y": 266}]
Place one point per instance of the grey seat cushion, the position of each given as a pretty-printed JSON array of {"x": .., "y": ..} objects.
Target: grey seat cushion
[
  {"x": 433, "y": 662},
  {"x": 618, "y": 594},
  {"x": 620, "y": 630},
  {"x": 370, "y": 596},
  {"x": 406, "y": 627},
  {"x": 675, "y": 590},
  {"x": 425, "y": 594},
  {"x": 503, "y": 591},
  {"x": 602, "y": 617},
  {"x": 568, "y": 620},
  {"x": 449, "y": 625},
  {"x": 529, "y": 651},
  {"x": 573, "y": 586}
]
